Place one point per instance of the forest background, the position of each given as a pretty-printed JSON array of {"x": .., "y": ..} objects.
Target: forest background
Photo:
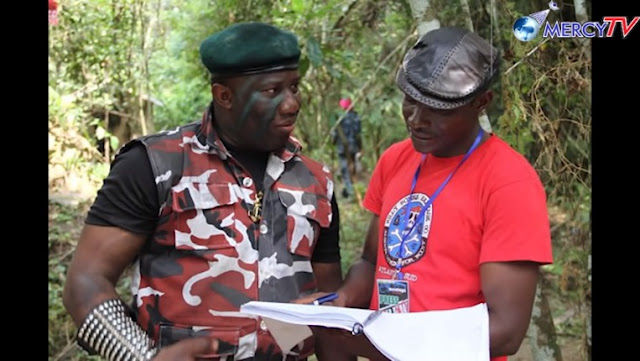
[{"x": 119, "y": 69}]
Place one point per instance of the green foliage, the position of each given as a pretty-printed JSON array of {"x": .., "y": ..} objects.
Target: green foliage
[
  {"x": 64, "y": 227},
  {"x": 353, "y": 225},
  {"x": 62, "y": 230},
  {"x": 546, "y": 96}
]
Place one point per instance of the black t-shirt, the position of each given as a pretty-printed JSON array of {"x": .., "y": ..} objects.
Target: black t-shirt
[{"x": 128, "y": 199}]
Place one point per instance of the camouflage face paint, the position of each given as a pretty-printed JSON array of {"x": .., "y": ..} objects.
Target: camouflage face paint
[
  {"x": 269, "y": 114},
  {"x": 266, "y": 115}
]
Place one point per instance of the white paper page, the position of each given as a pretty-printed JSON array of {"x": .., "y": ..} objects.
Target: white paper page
[
  {"x": 287, "y": 335},
  {"x": 311, "y": 315},
  {"x": 453, "y": 335}
]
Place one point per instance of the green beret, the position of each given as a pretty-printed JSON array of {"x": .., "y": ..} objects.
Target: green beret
[{"x": 249, "y": 48}]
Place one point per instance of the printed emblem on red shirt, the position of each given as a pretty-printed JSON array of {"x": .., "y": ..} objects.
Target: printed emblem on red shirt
[{"x": 415, "y": 244}]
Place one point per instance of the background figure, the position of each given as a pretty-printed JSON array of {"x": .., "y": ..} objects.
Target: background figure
[{"x": 348, "y": 142}]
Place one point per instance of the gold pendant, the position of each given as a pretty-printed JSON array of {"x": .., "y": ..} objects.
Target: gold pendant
[{"x": 255, "y": 212}]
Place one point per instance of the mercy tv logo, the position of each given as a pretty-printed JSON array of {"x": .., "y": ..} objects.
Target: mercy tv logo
[{"x": 527, "y": 28}]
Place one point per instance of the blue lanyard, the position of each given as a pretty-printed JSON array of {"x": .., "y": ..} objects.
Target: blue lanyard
[{"x": 406, "y": 234}]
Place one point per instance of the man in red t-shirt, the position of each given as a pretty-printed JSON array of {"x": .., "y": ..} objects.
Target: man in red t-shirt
[{"x": 458, "y": 216}]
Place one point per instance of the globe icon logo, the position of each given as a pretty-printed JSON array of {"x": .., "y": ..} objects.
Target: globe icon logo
[{"x": 526, "y": 28}]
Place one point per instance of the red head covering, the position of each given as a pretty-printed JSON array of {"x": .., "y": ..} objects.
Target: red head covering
[{"x": 345, "y": 103}]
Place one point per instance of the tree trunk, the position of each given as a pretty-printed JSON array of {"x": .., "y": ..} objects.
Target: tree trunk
[
  {"x": 147, "y": 28},
  {"x": 484, "y": 118},
  {"x": 423, "y": 14},
  {"x": 581, "y": 16},
  {"x": 464, "y": 4},
  {"x": 542, "y": 332}
]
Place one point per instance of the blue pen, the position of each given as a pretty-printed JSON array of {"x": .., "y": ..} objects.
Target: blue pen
[{"x": 328, "y": 298}]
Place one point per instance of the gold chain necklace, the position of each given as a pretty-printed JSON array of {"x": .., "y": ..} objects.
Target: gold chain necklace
[{"x": 256, "y": 212}]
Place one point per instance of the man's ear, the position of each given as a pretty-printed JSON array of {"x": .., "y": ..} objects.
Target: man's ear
[
  {"x": 221, "y": 95},
  {"x": 483, "y": 100}
]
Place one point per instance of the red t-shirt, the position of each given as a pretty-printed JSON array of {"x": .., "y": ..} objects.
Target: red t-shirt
[{"x": 493, "y": 209}]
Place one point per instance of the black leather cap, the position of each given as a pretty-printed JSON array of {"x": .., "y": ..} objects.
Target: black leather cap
[{"x": 448, "y": 67}]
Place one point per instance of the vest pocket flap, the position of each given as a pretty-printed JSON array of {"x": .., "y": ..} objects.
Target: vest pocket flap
[
  {"x": 228, "y": 337},
  {"x": 316, "y": 207},
  {"x": 188, "y": 195},
  {"x": 306, "y": 213},
  {"x": 204, "y": 217}
]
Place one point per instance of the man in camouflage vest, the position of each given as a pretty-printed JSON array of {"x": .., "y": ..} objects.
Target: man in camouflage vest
[{"x": 210, "y": 215}]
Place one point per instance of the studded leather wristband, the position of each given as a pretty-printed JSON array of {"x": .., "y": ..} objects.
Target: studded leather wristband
[{"x": 108, "y": 331}]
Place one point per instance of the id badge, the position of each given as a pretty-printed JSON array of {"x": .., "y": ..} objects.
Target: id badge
[{"x": 393, "y": 292}]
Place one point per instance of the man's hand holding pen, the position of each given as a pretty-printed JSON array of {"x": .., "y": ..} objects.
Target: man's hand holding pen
[
  {"x": 339, "y": 338},
  {"x": 323, "y": 298}
]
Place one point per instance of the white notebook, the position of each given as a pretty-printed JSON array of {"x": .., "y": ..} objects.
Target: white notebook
[{"x": 451, "y": 335}]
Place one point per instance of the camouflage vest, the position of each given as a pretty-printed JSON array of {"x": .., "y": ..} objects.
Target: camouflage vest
[{"x": 207, "y": 257}]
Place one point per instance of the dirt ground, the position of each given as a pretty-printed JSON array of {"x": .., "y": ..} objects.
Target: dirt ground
[{"x": 571, "y": 348}]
